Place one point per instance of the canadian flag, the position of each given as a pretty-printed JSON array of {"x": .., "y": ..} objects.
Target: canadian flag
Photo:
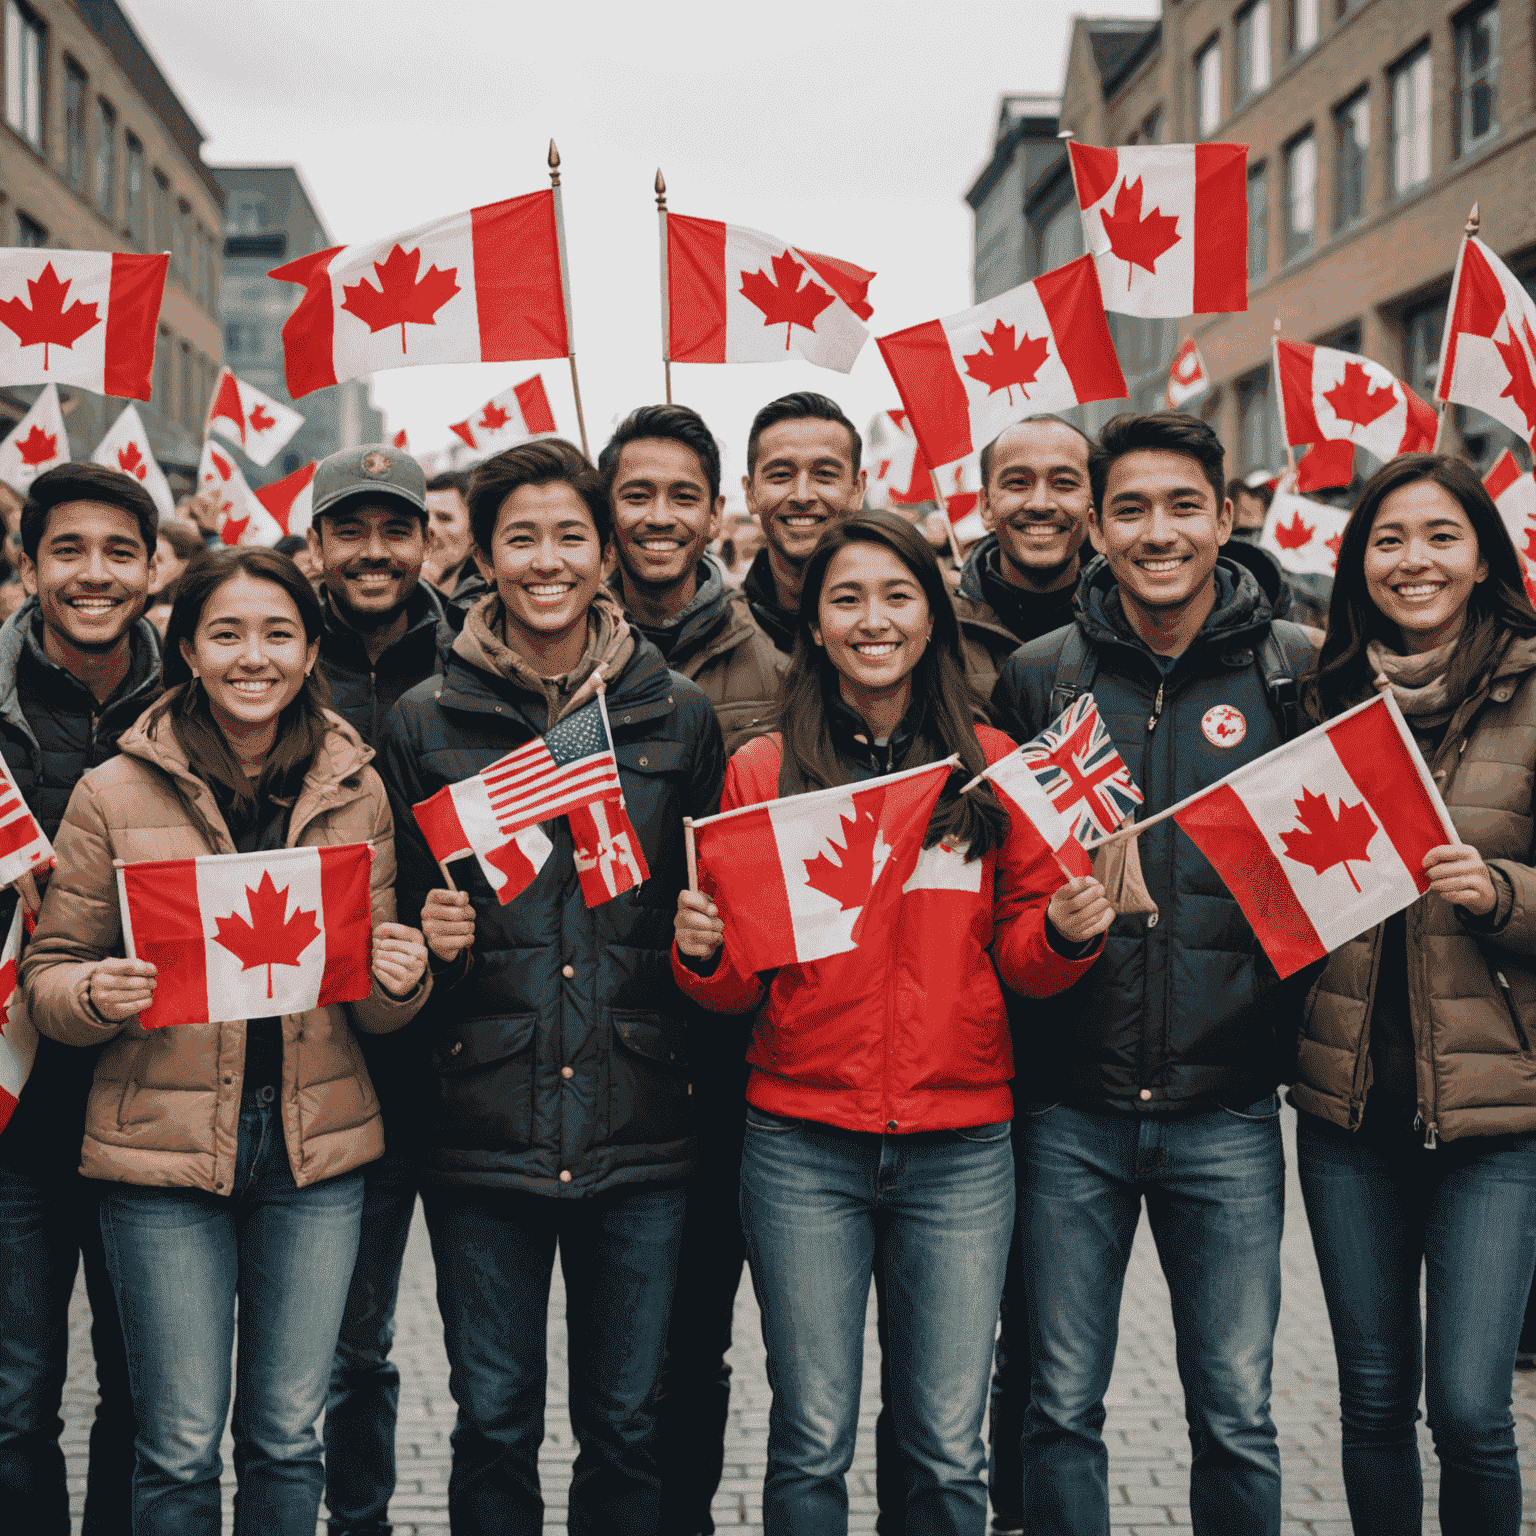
[
  {"x": 22, "y": 844},
  {"x": 126, "y": 447},
  {"x": 1514, "y": 494},
  {"x": 242, "y": 518},
  {"x": 290, "y": 501},
  {"x": 1325, "y": 466},
  {"x": 508, "y": 418},
  {"x": 816, "y": 874},
  {"x": 1165, "y": 223},
  {"x": 80, "y": 317},
  {"x": 735, "y": 295},
  {"x": 18, "y": 1037},
  {"x": 480, "y": 286},
  {"x": 246, "y": 935},
  {"x": 898, "y": 472},
  {"x": 1024, "y": 795},
  {"x": 1488, "y": 352},
  {"x": 1187, "y": 378},
  {"x": 1303, "y": 535},
  {"x": 37, "y": 442},
  {"x": 1324, "y": 837},
  {"x": 1327, "y": 396},
  {"x": 608, "y": 855},
  {"x": 240, "y": 412},
  {"x": 1043, "y": 346}
]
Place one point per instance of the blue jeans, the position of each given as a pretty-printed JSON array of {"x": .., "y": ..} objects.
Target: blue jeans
[
  {"x": 819, "y": 1205},
  {"x": 46, "y": 1225},
  {"x": 495, "y": 1252},
  {"x": 363, "y": 1403},
  {"x": 1381, "y": 1207},
  {"x": 179, "y": 1260},
  {"x": 1214, "y": 1184}
]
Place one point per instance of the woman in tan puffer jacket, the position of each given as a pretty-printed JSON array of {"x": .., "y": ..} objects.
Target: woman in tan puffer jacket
[
  {"x": 233, "y": 1149},
  {"x": 1415, "y": 1079}
]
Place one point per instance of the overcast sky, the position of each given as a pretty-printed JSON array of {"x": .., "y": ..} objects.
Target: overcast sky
[{"x": 853, "y": 129}]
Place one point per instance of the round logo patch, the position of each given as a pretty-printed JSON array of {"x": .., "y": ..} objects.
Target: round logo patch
[
  {"x": 377, "y": 465},
  {"x": 1224, "y": 726}
]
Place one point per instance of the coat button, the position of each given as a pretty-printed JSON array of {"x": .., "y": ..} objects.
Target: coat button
[
  {"x": 300, "y": 1036},
  {"x": 218, "y": 1184},
  {"x": 1152, "y": 921},
  {"x": 456, "y": 1047},
  {"x": 229, "y": 1079},
  {"x": 645, "y": 762},
  {"x": 1146, "y": 1093},
  {"x": 890, "y": 1125},
  {"x": 565, "y": 1175},
  {"x": 567, "y": 1071},
  {"x": 568, "y": 971}
]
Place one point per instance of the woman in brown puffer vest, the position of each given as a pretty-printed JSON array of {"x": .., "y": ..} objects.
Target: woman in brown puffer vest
[
  {"x": 1415, "y": 1079},
  {"x": 233, "y": 1150}
]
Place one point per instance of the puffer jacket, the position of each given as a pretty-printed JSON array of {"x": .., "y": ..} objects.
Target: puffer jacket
[
  {"x": 763, "y": 599},
  {"x": 996, "y": 617},
  {"x": 560, "y": 1043},
  {"x": 1471, "y": 981},
  {"x": 1184, "y": 1011},
  {"x": 165, "y": 1104},
  {"x": 915, "y": 1039}
]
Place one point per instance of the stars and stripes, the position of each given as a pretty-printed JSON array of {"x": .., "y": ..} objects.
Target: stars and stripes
[
  {"x": 1075, "y": 760},
  {"x": 573, "y": 765}
]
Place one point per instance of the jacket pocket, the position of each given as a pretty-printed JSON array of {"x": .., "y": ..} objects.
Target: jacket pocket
[
  {"x": 648, "y": 1080},
  {"x": 1501, "y": 983},
  {"x": 485, "y": 1082}
]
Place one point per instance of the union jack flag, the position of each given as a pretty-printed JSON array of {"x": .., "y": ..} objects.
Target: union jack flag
[{"x": 1075, "y": 760}]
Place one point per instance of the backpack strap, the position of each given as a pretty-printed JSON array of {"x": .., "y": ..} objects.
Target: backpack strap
[
  {"x": 1077, "y": 664},
  {"x": 1283, "y": 657}
]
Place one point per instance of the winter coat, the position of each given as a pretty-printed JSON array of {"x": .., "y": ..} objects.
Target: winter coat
[
  {"x": 763, "y": 599},
  {"x": 914, "y": 1037},
  {"x": 165, "y": 1104},
  {"x": 996, "y": 617},
  {"x": 1471, "y": 981},
  {"x": 559, "y": 1043},
  {"x": 1184, "y": 1010}
]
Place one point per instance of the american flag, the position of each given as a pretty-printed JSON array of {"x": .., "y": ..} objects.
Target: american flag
[
  {"x": 572, "y": 766},
  {"x": 1075, "y": 760}
]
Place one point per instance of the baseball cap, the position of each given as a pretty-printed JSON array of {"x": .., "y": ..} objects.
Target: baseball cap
[{"x": 373, "y": 472}]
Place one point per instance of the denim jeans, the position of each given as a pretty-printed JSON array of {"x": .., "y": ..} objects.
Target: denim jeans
[
  {"x": 495, "y": 1252},
  {"x": 1009, "y": 1399},
  {"x": 1381, "y": 1207},
  {"x": 1214, "y": 1185},
  {"x": 46, "y": 1225},
  {"x": 364, "y": 1398},
  {"x": 179, "y": 1260},
  {"x": 819, "y": 1205}
]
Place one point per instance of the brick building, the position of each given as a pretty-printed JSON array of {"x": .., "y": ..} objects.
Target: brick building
[{"x": 97, "y": 152}]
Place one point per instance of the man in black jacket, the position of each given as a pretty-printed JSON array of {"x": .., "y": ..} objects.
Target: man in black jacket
[
  {"x": 1155, "y": 1076},
  {"x": 563, "y": 1112},
  {"x": 78, "y": 665}
]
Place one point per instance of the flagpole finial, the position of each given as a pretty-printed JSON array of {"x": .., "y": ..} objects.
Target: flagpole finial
[
  {"x": 1066, "y": 133},
  {"x": 1277, "y": 325},
  {"x": 661, "y": 190},
  {"x": 1473, "y": 221},
  {"x": 554, "y": 164}
]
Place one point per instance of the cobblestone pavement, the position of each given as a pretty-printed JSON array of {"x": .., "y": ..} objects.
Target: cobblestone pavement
[{"x": 1149, "y": 1449}]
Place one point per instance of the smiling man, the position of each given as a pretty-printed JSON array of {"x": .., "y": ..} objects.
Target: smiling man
[{"x": 1154, "y": 1077}]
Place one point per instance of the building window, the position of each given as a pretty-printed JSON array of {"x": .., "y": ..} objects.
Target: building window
[
  {"x": 1257, "y": 427},
  {"x": 213, "y": 274},
  {"x": 1477, "y": 77},
  {"x": 74, "y": 125},
  {"x": 106, "y": 157},
  {"x": 1352, "y": 127},
  {"x": 1151, "y": 131},
  {"x": 1409, "y": 84},
  {"x": 1303, "y": 25},
  {"x": 1300, "y": 195},
  {"x": 133, "y": 189},
  {"x": 161, "y": 398},
  {"x": 1258, "y": 222},
  {"x": 1252, "y": 49},
  {"x": 29, "y": 232},
  {"x": 26, "y": 45},
  {"x": 179, "y": 262},
  {"x": 1208, "y": 89},
  {"x": 160, "y": 212},
  {"x": 245, "y": 214},
  {"x": 188, "y": 407},
  {"x": 199, "y": 267}
]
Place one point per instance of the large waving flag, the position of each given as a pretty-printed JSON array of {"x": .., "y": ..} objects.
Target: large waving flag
[
  {"x": 1329, "y": 396},
  {"x": 243, "y": 414},
  {"x": 242, "y": 518},
  {"x": 507, "y": 418},
  {"x": 290, "y": 501},
  {"x": 37, "y": 442},
  {"x": 1488, "y": 352}
]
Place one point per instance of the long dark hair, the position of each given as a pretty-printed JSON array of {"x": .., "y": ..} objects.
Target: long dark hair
[
  {"x": 939, "y": 714},
  {"x": 301, "y": 727},
  {"x": 1497, "y": 610}
]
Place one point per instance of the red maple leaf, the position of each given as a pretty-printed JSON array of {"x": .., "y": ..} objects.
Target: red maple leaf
[
  {"x": 1007, "y": 364},
  {"x": 1325, "y": 839},
  {"x": 1135, "y": 240},
  {"x": 781, "y": 298},
  {"x": 400, "y": 298},
  {"x": 1357, "y": 399},
  {"x": 848, "y": 879},
  {"x": 1333, "y": 545},
  {"x": 270, "y": 938},
  {"x": 259, "y": 421},
  {"x": 131, "y": 462},
  {"x": 7, "y": 992},
  {"x": 1521, "y": 387},
  {"x": 493, "y": 417},
  {"x": 232, "y": 531},
  {"x": 37, "y": 447},
  {"x": 47, "y": 321},
  {"x": 1294, "y": 534}
]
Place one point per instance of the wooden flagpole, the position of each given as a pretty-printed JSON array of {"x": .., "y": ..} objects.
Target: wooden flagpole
[
  {"x": 949, "y": 527},
  {"x": 565, "y": 291},
  {"x": 666, "y": 302},
  {"x": 692, "y": 852},
  {"x": 1468, "y": 232}
]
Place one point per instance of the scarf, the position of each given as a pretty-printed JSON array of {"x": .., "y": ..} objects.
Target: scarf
[{"x": 1419, "y": 683}]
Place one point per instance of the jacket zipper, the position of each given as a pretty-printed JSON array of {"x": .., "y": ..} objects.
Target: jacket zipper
[
  {"x": 1431, "y": 1133},
  {"x": 1157, "y": 709},
  {"x": 1143, "y": 1066},
  {"x": 1509, "y": 1003}
]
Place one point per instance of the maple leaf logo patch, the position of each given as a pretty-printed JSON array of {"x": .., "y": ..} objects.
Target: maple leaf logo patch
[
  {"x": 1294, "y": 534},
  {"x": 401, "y": 298},
  {"x": 46, "y": 322},
  {"x": 493, "y": 417},
  {"x": 37, "y": 447},
  {"x": 271, "y": 937},
  {"x": 132, "y": 462},
  {"x": 1325, "y": 839},
  {"x": 781, "y": 298},
  {"x": 1138, "y": 241},
  {"x": 850, "y": 876},
  {"x": 1357, "y": 400},
  {"x": 1004, "y": 364},
  {"x": 1521, "y": 387}
]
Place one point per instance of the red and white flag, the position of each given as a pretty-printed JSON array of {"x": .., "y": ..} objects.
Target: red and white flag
[
  {"x": 1025, "y": 796},
  {"x": 479, "y": 286},
  {"x": 290, "y": 501},
  {"x": 817, "y": 874},
  {"x": 1327, "y": 395},
  {"x": 1043, "y": 346},
  {"x": 1187, "y": 378},
  {"x": 243, "y": 414},
  {"x": 401, "y": 441},
  {"x": 245, "y": 935},
  {"x": 1167, "y": 224},
  {"x": 37, "y": 442},
  {"x": 126, "y": 447},
  {"x": 898, "y": 472},
  {"x": 1325, "y": 466},
  {"x": 80, "y": 317},
  {"x": 1303, "y": 535},
  {"x": 735, "y": 295},
  {"x": 18, "y": 1037},
  {"x": 22, "y": 845},
  {"x": 1324, "y": 837},
  {"x": 508, "y": 418},
  {"x": 609, "y": 858},
  {"x": 242, "y": 518},
  {"x": 1488, "y": 352},
  {"x": 1514, "y": 494}
]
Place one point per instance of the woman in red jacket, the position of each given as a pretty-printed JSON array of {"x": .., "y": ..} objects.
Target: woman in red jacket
[{"x": 879, "y": 1103}]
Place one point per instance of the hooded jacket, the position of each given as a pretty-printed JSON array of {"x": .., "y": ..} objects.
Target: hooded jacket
[
  {"x": 763, "y": 599},
  {"x": 996, "y": 617},
  {"x": 1184, "y": 1009},
  {"x": 559, "y": 1041}
]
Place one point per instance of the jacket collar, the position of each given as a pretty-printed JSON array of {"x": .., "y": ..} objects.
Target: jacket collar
[
  {"x": 763, "y": 598},
  {"x": 710, "y": 617},
  {"x": 341, "y": 643}
]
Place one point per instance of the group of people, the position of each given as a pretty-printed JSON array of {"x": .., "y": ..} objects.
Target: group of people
[{"x": 969, "y": 1120}]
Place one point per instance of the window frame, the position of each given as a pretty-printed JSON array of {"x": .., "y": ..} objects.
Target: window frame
[
  {"x": 1295, "y": 250},
  {"x": 1341, "y": 114},
  {"x": 1461, "y": 33},
  {"x": 26, "y": 113},
  {"x": 1210, "y": 50},
  {"x": 1295, "y": 45},
  {"x": 1258, "y": 250},
  {"x": 1405, "y": 74},
  {"x": 1245, "y": 59},
  {"x": 104, "y": 161},
  {"x": 77, "y": 90},
  {"x": 26, "y": 224},
  {"x": 135, "y": 165}
]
